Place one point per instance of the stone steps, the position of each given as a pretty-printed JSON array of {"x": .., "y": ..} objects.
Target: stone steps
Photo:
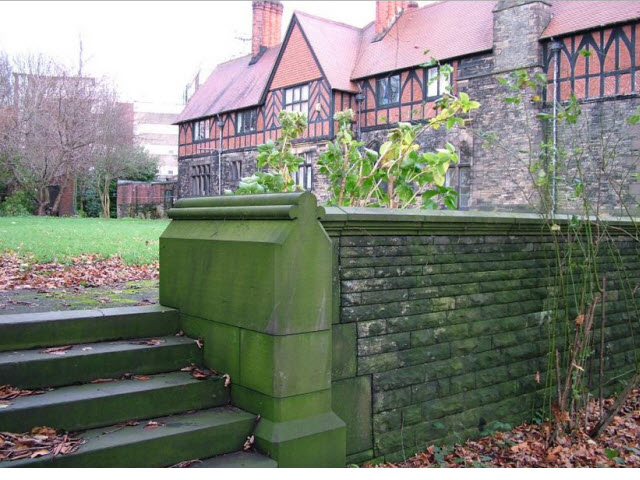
[
  {"x": 117, "y": 384},
  {"x": 179, "y": 438},
  {"x": 87, "y": 362},
  {"x": 90, "y": 405},
  {"x": 237, "y": 460},
  {"x": 31, "y": 330}
]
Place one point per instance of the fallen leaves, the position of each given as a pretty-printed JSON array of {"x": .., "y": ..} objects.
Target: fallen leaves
[
  {"x": 57, "y": 350},
  {"x": 152, "y": 425},
  {"x": 249, "y": 443},
  {"x": 151, "y": 341},
  {"x": 199, "y": 373},
  {"x": 185, "y": 464},
  {"x": 84, "y": 271},
  {"x": 40, "y": 441},
  {"x": 528, "y": 446},
  {"x": 7, "y": 392}
]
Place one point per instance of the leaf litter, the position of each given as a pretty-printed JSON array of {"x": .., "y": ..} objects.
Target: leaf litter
[
  {"x": 40, "y": 441},
  {"x": 528, "y": 446}
]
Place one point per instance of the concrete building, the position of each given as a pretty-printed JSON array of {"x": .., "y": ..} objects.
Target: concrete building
[{"x": 154, "y": 130}]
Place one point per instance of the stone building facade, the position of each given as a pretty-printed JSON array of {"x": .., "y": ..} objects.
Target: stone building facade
[{"x": 379, "y": 71}]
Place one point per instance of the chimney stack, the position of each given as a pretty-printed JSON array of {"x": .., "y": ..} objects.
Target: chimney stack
[
  {"x": 267, "y": 26},
  {"x": 386, "y": 14}
]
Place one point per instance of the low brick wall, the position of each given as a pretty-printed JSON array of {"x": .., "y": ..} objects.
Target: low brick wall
[
  {"x": 442, "y": 324},
  {"x": 145, "y": 199}
]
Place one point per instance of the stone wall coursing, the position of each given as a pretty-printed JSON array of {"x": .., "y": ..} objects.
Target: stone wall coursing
[
  {"x": 603, "y": 136},
  {"x": 441, "y": 336}
]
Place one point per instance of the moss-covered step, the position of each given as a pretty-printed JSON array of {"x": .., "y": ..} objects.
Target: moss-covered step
[
  {"x": 178, "y": 438},
  {"x": 91, "y": 405},
  {"x": 86, "y": 362},
  {"x": 237, "y": 460},
  {"x": 30, "y": 330}
]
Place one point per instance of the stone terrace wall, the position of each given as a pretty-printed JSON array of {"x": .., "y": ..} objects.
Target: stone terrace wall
[{"x": 442, "y": 324}]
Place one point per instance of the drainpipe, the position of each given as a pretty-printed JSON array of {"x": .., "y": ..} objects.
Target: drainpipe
[
  {"x": 359, "y": 100},
  {"x": 555, "y": 50},
  {"x": 220, "y": 125}
]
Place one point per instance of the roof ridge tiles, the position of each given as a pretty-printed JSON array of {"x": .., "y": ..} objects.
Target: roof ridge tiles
[{"x": 328, "y": 20}]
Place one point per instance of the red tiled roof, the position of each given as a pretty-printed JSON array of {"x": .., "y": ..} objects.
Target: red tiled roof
[
  {"x": 446, "y": 29},
  {"x": 576, "y": 15},
  {"x": 335, "y": 46},
  {"x": 231, "y": 86}
]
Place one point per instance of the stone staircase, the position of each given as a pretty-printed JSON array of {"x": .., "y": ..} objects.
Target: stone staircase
[{"x": 121, "y": 388}]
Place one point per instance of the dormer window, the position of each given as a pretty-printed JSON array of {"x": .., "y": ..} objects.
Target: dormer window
[
  {"x": 200, "y": 130},
  {"x": 388, "y": 90},
  {"x": 247, "y": 121},
  {"x": 296, "y": 99}
]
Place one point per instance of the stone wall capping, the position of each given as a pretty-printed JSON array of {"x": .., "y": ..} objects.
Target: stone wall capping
[{"x": 381, "y": 221}]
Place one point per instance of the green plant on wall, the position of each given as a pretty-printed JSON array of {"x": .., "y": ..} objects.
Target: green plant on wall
[
  {"x": 275, "y": 160},
  {"x": 399, "y": 175}
]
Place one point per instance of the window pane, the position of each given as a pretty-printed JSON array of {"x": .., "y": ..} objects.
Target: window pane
[
  {"x": 444, "y": 82},
  {"x": 383, "y": 98},
  {"x": 304, "y": 107},
  {"x": 309, "y": 172},
  {"x": 394, "y": 89},
  {"x": 296, "y": 94},
  {"x": 288, "y": 94},
  {"x": 304, "y": 95},
  {"x": 432, "y": 83}
]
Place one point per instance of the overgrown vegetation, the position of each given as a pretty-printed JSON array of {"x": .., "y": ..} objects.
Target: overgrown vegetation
[{"x": 572, "y": 175}]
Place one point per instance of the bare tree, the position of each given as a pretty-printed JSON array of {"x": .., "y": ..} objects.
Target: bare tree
[{"x": 56, "y": 125}]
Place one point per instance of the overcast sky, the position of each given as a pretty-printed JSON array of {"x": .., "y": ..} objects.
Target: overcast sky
[{"x": 151, "y": 50}]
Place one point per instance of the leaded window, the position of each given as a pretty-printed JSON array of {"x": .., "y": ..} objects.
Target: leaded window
[
  {"x": 303, "y": 177},
  {"x": 200, "y": 130},
  {"x": 388, "y": 90},
  {"x": 296, "y": 99},
  {"x": 247, "y": 121},
  {"x": 437, "y": 82}
]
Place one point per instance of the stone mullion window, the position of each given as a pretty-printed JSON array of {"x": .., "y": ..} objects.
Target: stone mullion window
[{"x": 200, "y": 180}]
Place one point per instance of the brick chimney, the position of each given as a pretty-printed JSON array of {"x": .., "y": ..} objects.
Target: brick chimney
[
  {"x": 386, "y": 13},
  {"x": 267, "y": 25}
]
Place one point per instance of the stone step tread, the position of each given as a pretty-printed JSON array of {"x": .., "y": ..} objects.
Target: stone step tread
[
  {"x": 90, "y": 349},
  {"x": 89, "y": 361},
  {"x": 237, "y": 460},
  {"x": 44, "y": 329},
  {"x": 95, "y": 404},
  {"x": 179, "y": 438}
]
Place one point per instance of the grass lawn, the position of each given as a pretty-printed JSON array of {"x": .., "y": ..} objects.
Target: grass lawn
[{"x": 49, "y": 239}]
